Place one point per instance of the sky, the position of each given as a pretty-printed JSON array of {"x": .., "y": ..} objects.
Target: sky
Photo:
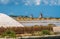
[{"x": 49, "y": 8}]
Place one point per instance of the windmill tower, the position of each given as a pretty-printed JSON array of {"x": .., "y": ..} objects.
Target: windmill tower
[
  {"x": 31, "y": 16},
  {"x": 41, "y": 15}
]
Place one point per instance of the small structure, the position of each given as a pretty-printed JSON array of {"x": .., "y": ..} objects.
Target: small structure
[{"x": 56, "y": 29}]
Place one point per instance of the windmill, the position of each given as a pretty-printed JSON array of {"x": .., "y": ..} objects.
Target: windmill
[{"x": 41, "y": 15}]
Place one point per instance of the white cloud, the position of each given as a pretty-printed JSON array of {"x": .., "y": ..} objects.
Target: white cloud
[
  {"x": 8, "y": 1},
  {"x": 16, "y": 3},
  {"x": 32, "y": 2},
  {"x": 58, "y": 2},
  {"x": 27, "y": 2},
  {"x": 53, "y": 2},
  {"x": 4, "y": 1},
  {"x": 45, "y": 2},
  {"x": 37, "y": 2}
]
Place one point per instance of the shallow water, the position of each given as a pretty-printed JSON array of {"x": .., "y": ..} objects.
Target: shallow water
[
  {"x": 43, "y": 38},
  {"x": 41, "y": 22}
]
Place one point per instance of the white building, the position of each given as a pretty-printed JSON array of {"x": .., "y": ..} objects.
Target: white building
[{"x": 56, "y": 29}]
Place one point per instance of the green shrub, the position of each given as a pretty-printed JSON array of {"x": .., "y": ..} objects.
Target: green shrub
[
  {"x": 37, "y": 33},
  {"x": 45, "y": 32},
  {"x": 8, "y": 33}
]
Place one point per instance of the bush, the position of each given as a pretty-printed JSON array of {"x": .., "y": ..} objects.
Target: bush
[
  {"x": 8, "y": 33},
  {"x": 37, "y": 33},
  {"x": 45, "y": 32}
]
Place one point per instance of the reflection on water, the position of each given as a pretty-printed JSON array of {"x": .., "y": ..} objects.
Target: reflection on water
[{"x": 57, "y": 37}]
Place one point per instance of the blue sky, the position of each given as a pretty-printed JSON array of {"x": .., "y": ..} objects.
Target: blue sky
[{"x": 49, "y": 8}]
